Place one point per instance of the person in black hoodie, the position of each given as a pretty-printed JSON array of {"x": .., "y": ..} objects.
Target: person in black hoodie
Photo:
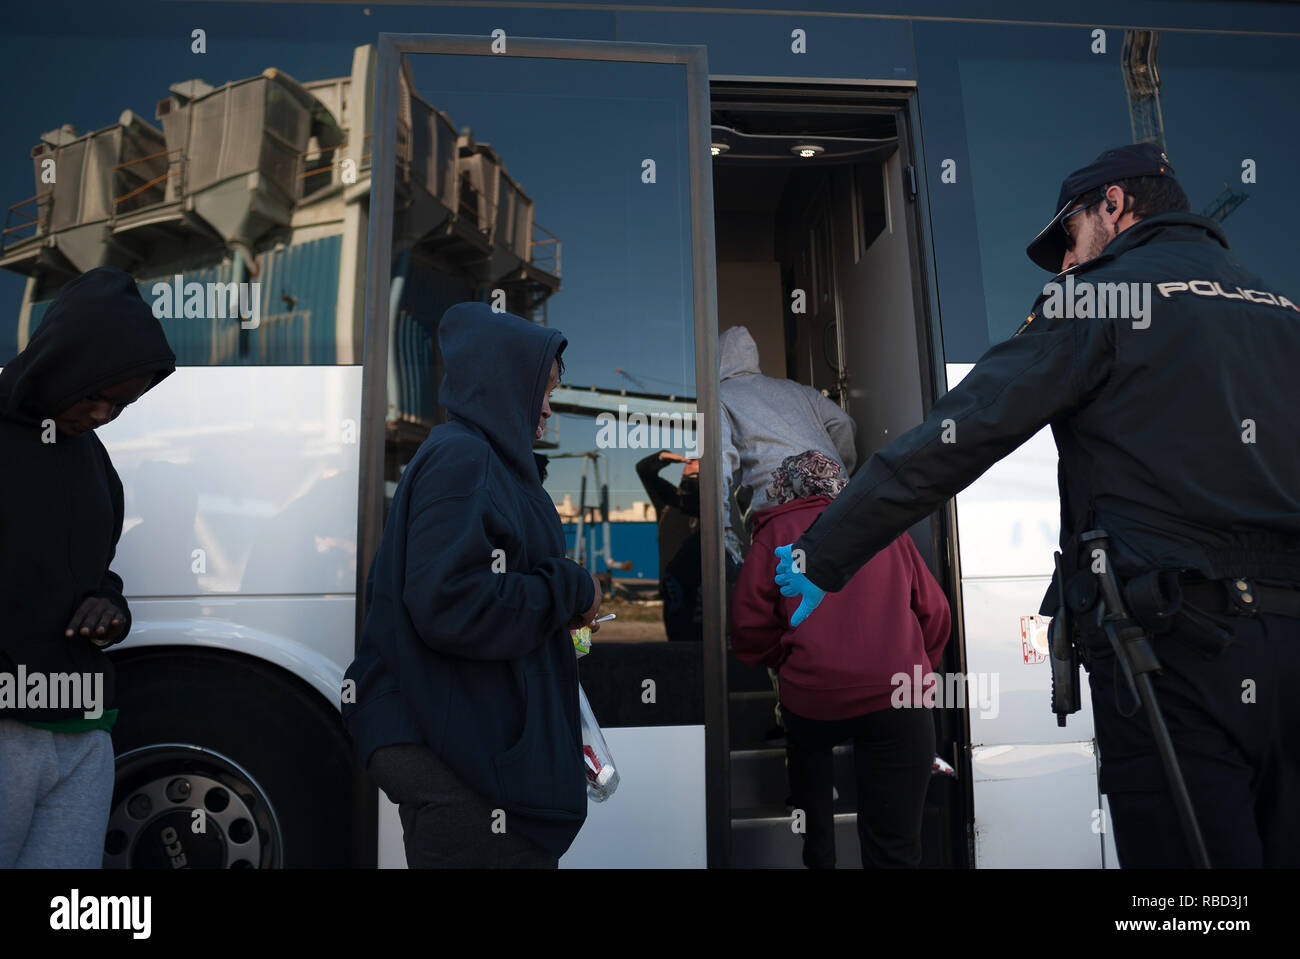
[
  {"x": 466, "y": 682},
  {"x": 97, "y": 350}
]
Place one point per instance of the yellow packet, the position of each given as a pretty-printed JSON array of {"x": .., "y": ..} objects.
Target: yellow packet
[{"x": 581, "y": 640}]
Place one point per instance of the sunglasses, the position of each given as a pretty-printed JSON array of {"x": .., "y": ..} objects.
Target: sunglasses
[{"x": 1069, "y": 237}]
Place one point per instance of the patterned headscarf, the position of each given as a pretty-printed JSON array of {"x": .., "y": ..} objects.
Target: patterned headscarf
[{"x": 806, "y": 474}]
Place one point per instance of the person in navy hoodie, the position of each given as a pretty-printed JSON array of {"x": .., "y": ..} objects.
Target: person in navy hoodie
[
  {"x": 466, "y": 682},
  {"x": 839, "y": 671}
]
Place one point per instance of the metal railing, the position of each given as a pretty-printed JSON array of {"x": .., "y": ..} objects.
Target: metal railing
[
  {"x": 174, "y": 169},
  {"x": 546, "y": 251},
  {"x": 39, "y": 223},
  {"x": 32, "y": 221}
]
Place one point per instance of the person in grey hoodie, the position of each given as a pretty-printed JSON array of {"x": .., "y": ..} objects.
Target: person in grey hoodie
[{"x": 765, "y": 419}]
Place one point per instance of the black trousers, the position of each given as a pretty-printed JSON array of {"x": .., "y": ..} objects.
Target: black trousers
[
  {"x": 1235, "y": 723},
  {"x": 893, "y": 754},
  {"x": 445, "y": 823}
]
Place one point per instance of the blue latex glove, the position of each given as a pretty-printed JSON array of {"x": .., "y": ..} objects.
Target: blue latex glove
[{"x": 796, "y": 584}]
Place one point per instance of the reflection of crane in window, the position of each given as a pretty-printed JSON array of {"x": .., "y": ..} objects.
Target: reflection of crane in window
[{"x": 1142, "y": 80}]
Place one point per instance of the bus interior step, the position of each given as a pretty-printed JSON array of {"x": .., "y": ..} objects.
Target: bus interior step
[{"x": 769, "y": 842}]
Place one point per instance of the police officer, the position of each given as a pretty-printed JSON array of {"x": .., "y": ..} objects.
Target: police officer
[{"x": 1167, "y": 373}]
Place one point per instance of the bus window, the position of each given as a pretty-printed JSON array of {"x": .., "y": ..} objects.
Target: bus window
[
  {"x": 1016, "y": 109},
  {"x": 558, "y": 190}
]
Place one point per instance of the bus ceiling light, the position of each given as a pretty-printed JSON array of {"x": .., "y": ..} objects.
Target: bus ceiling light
[
  {"x": 717, "y": 148},
  {"x": 807, "y": 150}
]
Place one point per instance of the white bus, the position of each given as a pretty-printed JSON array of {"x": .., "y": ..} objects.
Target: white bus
[{"x": 695, "y": 170}]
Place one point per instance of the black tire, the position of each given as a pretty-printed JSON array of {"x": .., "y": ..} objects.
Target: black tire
[{"x": 257, "y": 747}]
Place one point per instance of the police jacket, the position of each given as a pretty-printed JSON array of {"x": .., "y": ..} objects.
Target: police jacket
[{"x": 1174, "y": 416}]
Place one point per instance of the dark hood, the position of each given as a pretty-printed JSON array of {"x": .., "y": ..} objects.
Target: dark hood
[
  {"x": 98, "y": 332},
  {"x": 497, "y": 365}
]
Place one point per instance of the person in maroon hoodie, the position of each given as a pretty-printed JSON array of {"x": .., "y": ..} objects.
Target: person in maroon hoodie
[{"x": 841, "y": 668}]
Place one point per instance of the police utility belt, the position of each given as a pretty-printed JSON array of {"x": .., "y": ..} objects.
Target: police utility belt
[
  {"x": 1166, "y": 599},
  {"x": 1124, "y": 618}
]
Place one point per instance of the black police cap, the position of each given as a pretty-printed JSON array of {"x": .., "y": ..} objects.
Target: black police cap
[{"x": 1135, "y": 159}]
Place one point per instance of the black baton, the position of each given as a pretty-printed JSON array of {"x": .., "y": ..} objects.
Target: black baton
[{"x": 1137, "y": 658}]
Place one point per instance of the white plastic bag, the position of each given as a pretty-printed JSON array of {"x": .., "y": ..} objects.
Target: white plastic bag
[{"x": 602, "y": 777}]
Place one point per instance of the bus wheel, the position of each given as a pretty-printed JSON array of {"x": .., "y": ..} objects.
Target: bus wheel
[
  {"x": 176, "y": 805},
  {"x": 225, "y": 762}
]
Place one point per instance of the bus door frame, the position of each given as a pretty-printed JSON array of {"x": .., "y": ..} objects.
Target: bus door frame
[
  {"x": 901, "y": 98},
  {"x": 370, "y": 507}
]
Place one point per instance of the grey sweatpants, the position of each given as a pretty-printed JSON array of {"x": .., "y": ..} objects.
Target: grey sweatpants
[{"x": 55, "y": 793}]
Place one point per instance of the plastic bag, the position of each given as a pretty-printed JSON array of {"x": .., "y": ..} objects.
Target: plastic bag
[{"x": 602, "y": 777}]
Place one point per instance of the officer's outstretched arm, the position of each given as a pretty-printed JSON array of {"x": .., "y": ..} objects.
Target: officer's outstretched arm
[{"x": 1045, "y": 372}]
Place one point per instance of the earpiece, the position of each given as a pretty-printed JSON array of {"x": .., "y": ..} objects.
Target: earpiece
[{"x": 1110, "y": 207}]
